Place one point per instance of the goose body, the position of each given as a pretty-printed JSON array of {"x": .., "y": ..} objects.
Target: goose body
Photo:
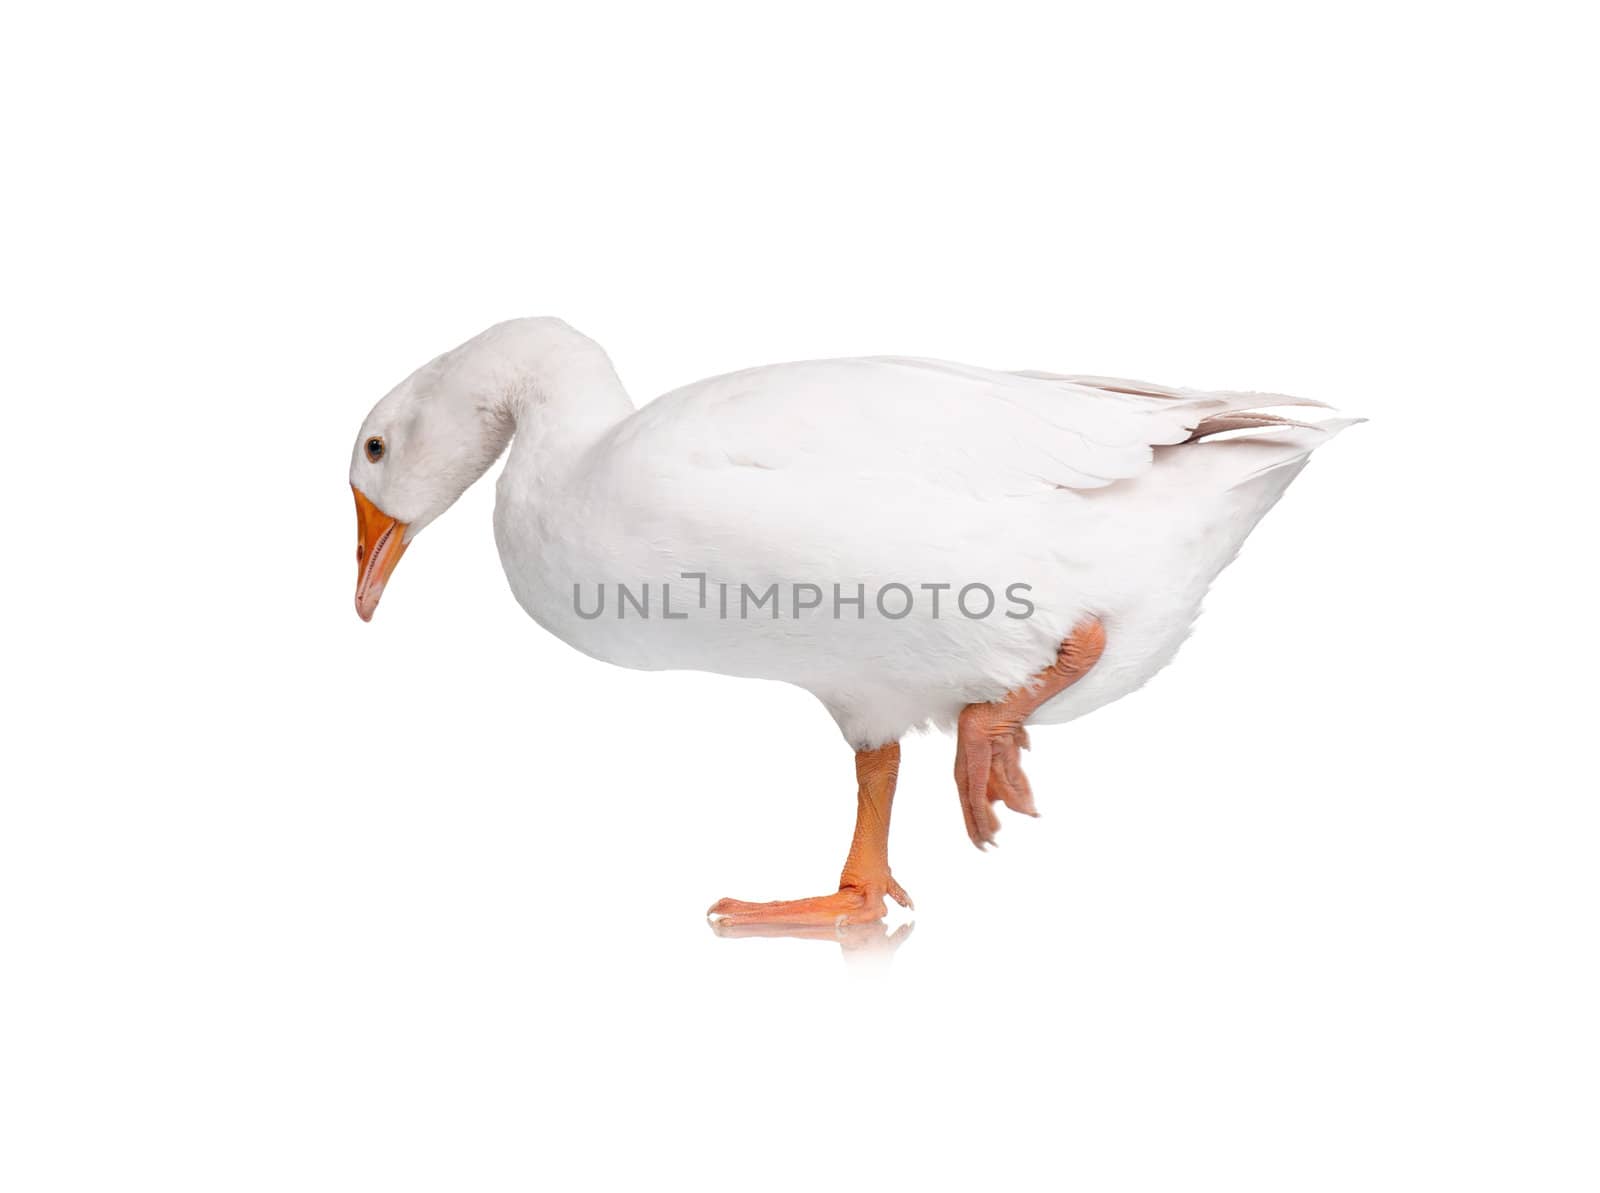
[{"x": 978, "y": 515}]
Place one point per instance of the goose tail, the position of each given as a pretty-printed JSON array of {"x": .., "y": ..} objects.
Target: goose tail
[{"x": 1253, "y": 444}]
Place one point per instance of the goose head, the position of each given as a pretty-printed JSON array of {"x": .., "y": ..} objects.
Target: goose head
[
  {"x": 430, "y": 437},
  {"x": 418, "y": 451}
]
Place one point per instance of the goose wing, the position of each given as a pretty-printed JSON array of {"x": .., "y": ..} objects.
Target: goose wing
[{"x": 986, "y": 433}]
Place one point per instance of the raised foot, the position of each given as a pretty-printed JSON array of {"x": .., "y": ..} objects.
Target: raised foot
[
  {"x": 989, "y": 771},
  {"x": 990, "y": 737},
  {"x": 850, "y": 904}
]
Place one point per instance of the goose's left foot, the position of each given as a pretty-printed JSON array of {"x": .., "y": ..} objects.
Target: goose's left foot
[
  {"x": 990, "y": 737},
  {"x": 850, "y": 905},
  {"x": 866, "y": 880}
]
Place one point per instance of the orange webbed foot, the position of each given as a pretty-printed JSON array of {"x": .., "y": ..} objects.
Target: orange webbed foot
[
  {"x": 850, "y": 904},
  {"x": 990, "y": 737},
  {"x": 864, "y": 882},
  {"x": 989, "y": 771}
]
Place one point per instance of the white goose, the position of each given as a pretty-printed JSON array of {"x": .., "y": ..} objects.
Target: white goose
[{"x": 912, "y": 541}]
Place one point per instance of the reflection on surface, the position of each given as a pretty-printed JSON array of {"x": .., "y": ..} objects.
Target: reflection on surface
[{"x": 864, "y": 946}]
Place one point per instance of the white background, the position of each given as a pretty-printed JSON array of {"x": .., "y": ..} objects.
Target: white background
[{"x": 292, "y": 902}]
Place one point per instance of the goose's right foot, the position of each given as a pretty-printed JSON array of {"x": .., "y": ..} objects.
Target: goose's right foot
[{"x": 990, "y": 737}]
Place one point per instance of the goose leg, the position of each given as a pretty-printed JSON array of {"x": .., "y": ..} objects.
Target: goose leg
[
  {"x": 866, "y": 878},
  {"x": 990, "y": 738}
]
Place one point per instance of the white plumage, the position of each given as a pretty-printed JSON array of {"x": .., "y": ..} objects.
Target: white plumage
[{"x": 1104, "y": 497}]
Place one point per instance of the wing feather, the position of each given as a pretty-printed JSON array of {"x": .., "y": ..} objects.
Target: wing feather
[{"x": 982, "y": 431}]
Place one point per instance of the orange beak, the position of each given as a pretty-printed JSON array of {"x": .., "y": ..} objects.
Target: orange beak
[{"x": 380, "y": 542}]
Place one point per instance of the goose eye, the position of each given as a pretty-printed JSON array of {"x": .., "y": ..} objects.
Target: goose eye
[{"x": 375, "y": 449}]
